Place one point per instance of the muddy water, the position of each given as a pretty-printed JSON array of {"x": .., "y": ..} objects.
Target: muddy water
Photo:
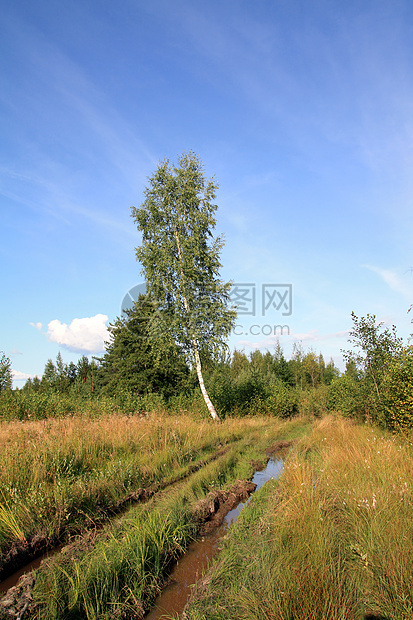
[
  {"x": 198, "y": 555},
  {"x": 13, "y": 579},
  {"x": 191, "y": 565}
]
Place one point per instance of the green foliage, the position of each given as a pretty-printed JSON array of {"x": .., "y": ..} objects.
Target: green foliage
[
  {"x": 283, "y": 401},
  {"x": 35, "y": 405},
  {"x": 235, "y": 395},
  {"x": 6, "y": 377},
  {"x": 253, "y": 385},
  {"x": 372, "y": 354},
  {"x": 132, "y": 379},
  {"x": 180, "y": 260},
  {"x": 131, "y": 363},
  {"x": 314, "y": 401},
  {"x": 180, "y": 257},
  {"x": 81, "y": 379},
  {"x": 398, "y": 391},
  {"x": 346, "y": 395}
]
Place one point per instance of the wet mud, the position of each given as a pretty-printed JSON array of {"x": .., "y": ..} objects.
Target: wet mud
[
  {"x": 214, "y": 514},
  {"x": 18, "y": 602},
  {"x": 225, "y": 508}
]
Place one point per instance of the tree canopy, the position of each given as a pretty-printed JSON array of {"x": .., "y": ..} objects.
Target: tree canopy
[{"x": 180, "y": 260}]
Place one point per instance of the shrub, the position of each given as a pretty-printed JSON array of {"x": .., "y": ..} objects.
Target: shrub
[
  {"x": 346, "y": 394},
  {"x": 398, "y": 392},
  {"x": 313, "y": 401},
  {"x": 283, "y": 400}
]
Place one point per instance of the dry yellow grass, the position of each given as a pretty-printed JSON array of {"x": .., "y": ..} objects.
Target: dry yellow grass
[
  {"x": 54, "y": 472},
  {"x": 332, "y": 540}
]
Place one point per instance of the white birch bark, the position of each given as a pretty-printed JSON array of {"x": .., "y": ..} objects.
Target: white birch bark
[
  {"x": 198, "y": 366},
  {"x": 207, "y": 400}
]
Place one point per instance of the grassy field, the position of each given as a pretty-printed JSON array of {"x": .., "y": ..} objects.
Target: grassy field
[
  {"x": 332, "y": 539},
  {"x": 64, "y": 477},
  {"x": 56, "y": 476}
]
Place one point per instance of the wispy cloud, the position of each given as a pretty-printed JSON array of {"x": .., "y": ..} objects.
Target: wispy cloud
[
  {"x": 37, "y": 325},
  {"x": 307, "y": 338},
  {"x": 21, "y": 376},
  {"x": 55, "y": 202},
  {"x": 15, "y": 352},
  {"x": 82, "y": 122},
  {"x": 403, "y": 286}
]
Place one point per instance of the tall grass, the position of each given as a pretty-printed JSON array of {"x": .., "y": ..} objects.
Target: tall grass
[
  {"x": 32, "y": 405},
  {"x": 333, "y": 538},
  {"x": 121, "y": 573},
  {"x": 55, "y": 474},
  {"x": 58, "y": 476},
  {"x": 123, "y": 570}
]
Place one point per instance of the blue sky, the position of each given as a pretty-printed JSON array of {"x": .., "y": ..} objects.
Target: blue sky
[{"x": 303, "y": 112}]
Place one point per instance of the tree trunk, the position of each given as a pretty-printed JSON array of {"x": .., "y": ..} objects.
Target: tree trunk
[{"x": 207, "y": 400}]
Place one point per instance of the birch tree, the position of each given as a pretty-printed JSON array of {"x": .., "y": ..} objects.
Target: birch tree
[{"x": 180, "y": 258}]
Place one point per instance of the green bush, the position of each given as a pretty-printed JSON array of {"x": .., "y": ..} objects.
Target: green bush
[
  {"x": 282, "y": 401},
  {"x": 20, "y": 405},
  {"x": 346, "y": 394},
  {"x": 398, "y": 392},
  {"x": 313, "y": 401}
]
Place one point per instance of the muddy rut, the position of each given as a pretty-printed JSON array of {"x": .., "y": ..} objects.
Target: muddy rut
[{"x": 209, "y": 513}]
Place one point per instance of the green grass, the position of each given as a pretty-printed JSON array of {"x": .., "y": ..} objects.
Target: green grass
[
  {"x": 122, "y": 571},
  {"x": 331, "y": 539}
]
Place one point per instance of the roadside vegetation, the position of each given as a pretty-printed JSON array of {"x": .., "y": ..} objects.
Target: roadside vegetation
[
  {"x": 332, "y": 537},
  {"x": 59, "y": 477},
  {"x": 125, "y": 569}
]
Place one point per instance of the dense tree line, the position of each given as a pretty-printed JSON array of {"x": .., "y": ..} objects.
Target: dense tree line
[
  {"x": 376, "y": 386},
  {"x": 131, "y": 365}
]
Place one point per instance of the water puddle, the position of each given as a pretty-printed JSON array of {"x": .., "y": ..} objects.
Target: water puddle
[
  {"x": 11, "y": 581},
  {"x": 190, "y": 567}
]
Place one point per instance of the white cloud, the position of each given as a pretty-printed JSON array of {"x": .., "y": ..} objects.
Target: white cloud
[
  {"x": 37, "y": 325},
  {"x": 21, "y": 376},
  {"x": 85, "y": 335}
]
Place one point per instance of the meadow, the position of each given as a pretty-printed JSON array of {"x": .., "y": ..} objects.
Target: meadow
[
  {"x": 333, "y": 537},
  {"x": 63, "y": 480}
]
